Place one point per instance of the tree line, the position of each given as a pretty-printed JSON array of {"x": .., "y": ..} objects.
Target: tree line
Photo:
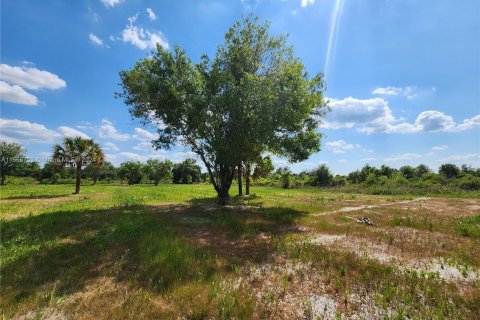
[
  {"x": 261, "y": 172},
  {"x": 62, "y": 167},
  {"x": 383, "y": 180}
]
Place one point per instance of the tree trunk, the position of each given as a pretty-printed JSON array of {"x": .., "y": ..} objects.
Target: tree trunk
[
  {"x": 223, "y": 196},
  {"x": 3, "y": 180},
  {"x": 156, "y": 182},
  {"x": 79, "y": 178},
  {"x": 225, "y": 181},
  {"x": 239, "y": 174},
  {"x": 225, "y": 178},
  {"x": 247, "y": 180}
]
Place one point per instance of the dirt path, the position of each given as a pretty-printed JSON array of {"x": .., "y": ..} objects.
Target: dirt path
[{"x": 348, "y": 209}]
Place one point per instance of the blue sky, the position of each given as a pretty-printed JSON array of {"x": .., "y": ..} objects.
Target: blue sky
[{"x": 403, "y": 76}]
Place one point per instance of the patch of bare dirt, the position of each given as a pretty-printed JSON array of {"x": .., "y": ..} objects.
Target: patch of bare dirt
[
  {"x": 91, "y": 301},
  {"x": 286, "y": 290},
  {"x": 365, "y": 248},
  {"x": 370, "y": 206}
]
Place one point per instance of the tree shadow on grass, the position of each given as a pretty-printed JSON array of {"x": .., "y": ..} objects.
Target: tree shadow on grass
[{"x": 152, "y": 247}]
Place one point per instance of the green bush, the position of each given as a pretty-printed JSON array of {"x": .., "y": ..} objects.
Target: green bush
[
  {"x": 21, "y": 180},
  {"x": 469, "y": 182},
  {"x": 469, "y": 227}
]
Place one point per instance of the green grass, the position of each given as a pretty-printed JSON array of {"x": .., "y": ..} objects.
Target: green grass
[
  {"x": 469, "y": 227},
  {"x": 171, "y": 252}
]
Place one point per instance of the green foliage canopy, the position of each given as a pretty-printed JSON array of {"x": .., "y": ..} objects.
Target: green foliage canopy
[
  {"x": 253, "y": 96},
  {"x": 77, "y": 152},
  {"x": 186, "y": 172},
  {"x": 12, "y": 155},
  {"x": 132, "y": 171},
  {"x": 157, "y": 170}
]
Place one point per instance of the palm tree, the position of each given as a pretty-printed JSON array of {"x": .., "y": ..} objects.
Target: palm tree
[{"x": 78, "y": 152}]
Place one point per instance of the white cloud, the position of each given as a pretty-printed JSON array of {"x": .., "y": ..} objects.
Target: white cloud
[
  {"x": 31, "y": 78},
  {"x": 108, "y": 131},
  {"x": 142, "y": 38},
  {"x": 16, "y": 94},
  {"x": 469, "y": 124},
  {"x": 305, "y": 3},
  {"x": 248, "y": 5},
  {"x": 434, "y": 121},
  {"x": 92, "y": 15},
  {"x": 375, "y": 115},
  {"x": 440, "y": 148},
  {"x": 183, "y": 155},
  {"x": 97, "y": 41},
  {"x": 410, "y": 91},
  {"x": 144, "y": 146},
  {"x": 70, "y": 132},
  {"x": 342, "y": 161},
  {"x": 403, "y": 157},
  {"x": 134, "y": 156},
  {"x": 110, "y": 146},
  {"x": 27, "y": 132},
  {"x": 7, "y": 139},
  {"x": 118, "y": 158},
  {"x": 371, "y": 159},
  {"x": 111, "y": 3},
  {"x": 144, "y": 135},
  {"x": 462, "y": 158},
  {"x": 151, "y": 14},
  {"x": 339, "y": 146},
  {"x": 388, "y": 91}
]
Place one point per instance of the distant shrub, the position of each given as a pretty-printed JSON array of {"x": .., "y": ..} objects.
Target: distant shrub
[
  {"x": 469, "y": 227},
  {"x": 371, "y": 179},
  {"x": 400, "y": 180},
  {"x": 321, "y": 176},
  {"x": 449, "y": 170},
  {"x": 21, "y": 180},
  {"x": 339, "y": 181},
  {"x": 286, "y": 180},
  {"x": 469, "y": 182}
]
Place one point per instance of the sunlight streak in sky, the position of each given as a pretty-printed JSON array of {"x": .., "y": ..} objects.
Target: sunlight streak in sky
[{"x": 333, "y": 35}]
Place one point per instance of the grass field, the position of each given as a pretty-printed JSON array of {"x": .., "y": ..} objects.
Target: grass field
[{"x": 168, "y": 252}]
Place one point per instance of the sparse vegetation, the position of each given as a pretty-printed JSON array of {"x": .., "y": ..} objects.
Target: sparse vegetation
[
  {"x": 159, "y": 233},
  {"x": 167, "y": 252}
]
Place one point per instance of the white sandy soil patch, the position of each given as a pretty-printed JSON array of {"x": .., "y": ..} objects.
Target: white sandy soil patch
[
  {"x": 449, "y": 271},
  {"x": 305, "y": 295},
  {"x": 363, "y": 248},
  {"x": 323, "y": 307},
  {"x": 364, "y": 207}
]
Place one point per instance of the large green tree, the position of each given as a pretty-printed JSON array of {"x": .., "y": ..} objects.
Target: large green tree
[
  {"x": 449, "y": 170},
  {"x": 95, "y": 172},
  {"x": 253, "y": 96},
  {"x": 157, "y": 170},
  {"x": 12, "y": 156},
  {"x": 77, "y": 152},
  {"x": 321, "y": 176},
  {"x": 186, "y": 172},
  {"x": 132, "y": 171}
]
